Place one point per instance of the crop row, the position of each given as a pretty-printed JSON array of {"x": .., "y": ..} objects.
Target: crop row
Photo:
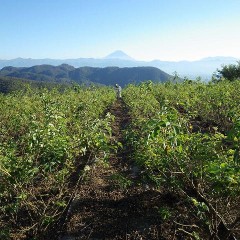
[
  {"x": 185, "y": 139},
  {"x": 44, "y": 137}
]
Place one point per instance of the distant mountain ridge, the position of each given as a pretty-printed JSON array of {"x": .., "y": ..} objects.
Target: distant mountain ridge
[
  {"x": 204, "y": 67},
  {"x": 65, "y": 73}
]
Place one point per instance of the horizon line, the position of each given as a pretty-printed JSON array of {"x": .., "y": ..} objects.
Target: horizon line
[{"x": 133, "y": 59}]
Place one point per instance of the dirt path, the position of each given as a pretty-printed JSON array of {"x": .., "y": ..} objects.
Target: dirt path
[{"x": 110, "y": 204}]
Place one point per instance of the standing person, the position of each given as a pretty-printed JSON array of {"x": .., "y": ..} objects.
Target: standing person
[{"x": 119, "y": 91}]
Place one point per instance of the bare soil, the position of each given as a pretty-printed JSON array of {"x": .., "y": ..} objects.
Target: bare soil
[{"x": 111, "y": 203}]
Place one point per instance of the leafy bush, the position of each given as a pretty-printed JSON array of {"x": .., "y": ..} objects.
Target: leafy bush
[{"x": 230, "y": 72}]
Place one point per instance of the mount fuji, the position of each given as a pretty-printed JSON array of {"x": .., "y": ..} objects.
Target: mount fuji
[{"x": 203, "y": 68}]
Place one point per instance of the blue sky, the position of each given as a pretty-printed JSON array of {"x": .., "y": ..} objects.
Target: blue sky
[{"x": 144, "y": 29}]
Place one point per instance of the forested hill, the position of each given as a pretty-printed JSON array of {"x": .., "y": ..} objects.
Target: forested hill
[
  {"x": 67, "y": 73},
  {"x": 12, "y": 84}
]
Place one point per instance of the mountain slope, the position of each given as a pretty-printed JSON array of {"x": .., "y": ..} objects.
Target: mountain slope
[
  {"x": 204, "y": 67},
  {"x": 106, "y": 76},
  {"x": 11, "y": 84},
  {"x": 119, "y": 55}
]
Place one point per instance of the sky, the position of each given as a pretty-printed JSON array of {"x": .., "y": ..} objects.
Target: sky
[{"x": 171, "y": 30}]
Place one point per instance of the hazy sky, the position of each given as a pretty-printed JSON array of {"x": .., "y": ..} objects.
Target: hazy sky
[{"x": 144, "y": 29}]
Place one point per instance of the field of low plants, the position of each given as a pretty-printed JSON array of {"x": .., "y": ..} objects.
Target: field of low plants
[
  {"x": 186, "y": 138},
  {"x": 47, "y": 140},
  {"x": 183, "y": 137}
]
